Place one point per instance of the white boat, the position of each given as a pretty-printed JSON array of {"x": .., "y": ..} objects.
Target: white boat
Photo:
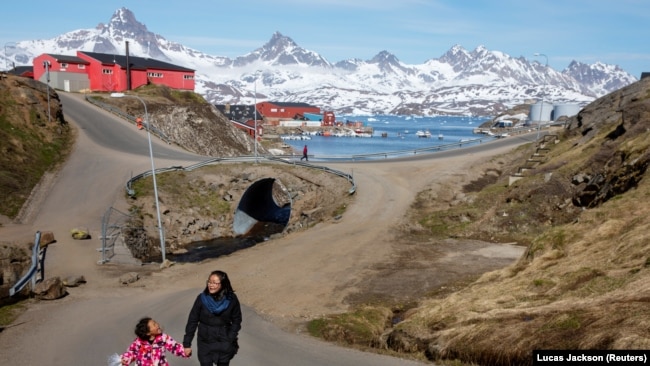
[
  {"x": 295, "y": 137},
  {"x": 425, "y": 134},
  {"x": 364, "y": 134}
]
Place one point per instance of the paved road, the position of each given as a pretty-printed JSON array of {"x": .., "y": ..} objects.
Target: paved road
[{"x": 96, "y": 320}]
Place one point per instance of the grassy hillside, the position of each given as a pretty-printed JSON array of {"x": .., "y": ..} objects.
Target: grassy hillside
[
  {"x": 581, "y": 208},
  {"x": 31, "y": 142}
]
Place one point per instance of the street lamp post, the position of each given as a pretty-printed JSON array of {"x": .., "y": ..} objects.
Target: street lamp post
[
  {"x": 539, "y": 122},
  {"x": 153, "y": 168}
]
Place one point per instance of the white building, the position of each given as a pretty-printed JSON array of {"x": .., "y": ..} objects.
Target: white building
[
  {"x": 547, "y": 111},
  {"x": 566, "y": 110}
]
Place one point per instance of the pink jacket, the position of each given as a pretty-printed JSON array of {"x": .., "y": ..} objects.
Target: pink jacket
[{"x": 152, "y": 354}]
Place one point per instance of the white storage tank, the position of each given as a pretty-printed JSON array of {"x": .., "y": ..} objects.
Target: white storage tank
[
  {"x": 539, "y": 112},
  {"x": 567, "y": 110}
]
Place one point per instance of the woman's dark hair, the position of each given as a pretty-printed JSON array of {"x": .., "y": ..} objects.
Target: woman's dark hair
[
  {"x": 226, "y": 287},
  {"x": 142, "y": 328}
]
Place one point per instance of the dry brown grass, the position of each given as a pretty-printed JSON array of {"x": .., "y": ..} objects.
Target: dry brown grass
[
  {"x": 583, "y": 284},
  {"x": 584, "y": 281}
]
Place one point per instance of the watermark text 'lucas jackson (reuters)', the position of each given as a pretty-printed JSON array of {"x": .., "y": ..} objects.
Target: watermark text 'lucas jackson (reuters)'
[{"x": 595, "y": 357}]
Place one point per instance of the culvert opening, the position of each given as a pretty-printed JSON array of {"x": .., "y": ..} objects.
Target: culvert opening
[{"x": 264, "y": 210}]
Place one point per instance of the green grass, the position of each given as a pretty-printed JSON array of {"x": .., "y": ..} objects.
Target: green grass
[
  {"x": 29, "y": 149},
  {"x": 362, "y": 326},
  {"x": 339, "y": 210},
  {"x": 184, "y": 194},
  {"x": 9, "y": 313},
  {"x": 564, "y": 321}
]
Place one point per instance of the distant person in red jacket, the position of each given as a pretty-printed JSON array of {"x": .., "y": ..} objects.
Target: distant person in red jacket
[{"x": 304, "y": 153}]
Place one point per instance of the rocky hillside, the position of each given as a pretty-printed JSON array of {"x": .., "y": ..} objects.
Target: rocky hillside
[
  {"x": 580, "y": 206},
  {"x": 187, "y": 120}
]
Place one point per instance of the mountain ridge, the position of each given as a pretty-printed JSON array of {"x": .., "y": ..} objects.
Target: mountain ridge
[{"x": 478, "y": 82}]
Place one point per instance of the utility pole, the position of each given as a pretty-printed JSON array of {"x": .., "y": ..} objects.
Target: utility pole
[
  {"x": 46, "y": 65},
  {"x": 153, "y": 168}
]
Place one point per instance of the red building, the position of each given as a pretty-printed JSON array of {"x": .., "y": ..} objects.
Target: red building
[
  {"x": 24, "y": 71},
  {"x": 329, "y": 118},
  {"x": 110, "y": 73},
  {"x": 273, "y": 112}
]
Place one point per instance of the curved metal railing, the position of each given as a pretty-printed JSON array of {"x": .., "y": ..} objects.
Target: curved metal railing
[{"x": 33, "y": 269}]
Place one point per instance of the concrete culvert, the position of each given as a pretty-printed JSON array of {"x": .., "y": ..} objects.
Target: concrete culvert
[{"x": 264, "y": 209}]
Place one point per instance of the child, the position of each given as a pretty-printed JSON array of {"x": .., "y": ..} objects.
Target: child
[{"x": 149, "y": 347}]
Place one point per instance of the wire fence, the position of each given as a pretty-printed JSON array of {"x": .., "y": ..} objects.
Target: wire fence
[{"x": 113, "y": 224}]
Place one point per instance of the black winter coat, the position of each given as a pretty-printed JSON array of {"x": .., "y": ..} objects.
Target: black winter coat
[{"x": 217, "y": 335}]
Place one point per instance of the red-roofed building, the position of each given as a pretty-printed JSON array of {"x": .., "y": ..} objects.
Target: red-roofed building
[
  {"x": 274, "y": 112},
  {"x": 24, "y": 71},
  {"x": 110, "y": 73}
]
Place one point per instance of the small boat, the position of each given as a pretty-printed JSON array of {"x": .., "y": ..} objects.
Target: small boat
[
  {"x": 440, "y": 136},
  {"x": 425, "y": 134}
]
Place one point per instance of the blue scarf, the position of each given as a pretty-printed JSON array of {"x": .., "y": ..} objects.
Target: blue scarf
[{"x": 214, "y": 306}]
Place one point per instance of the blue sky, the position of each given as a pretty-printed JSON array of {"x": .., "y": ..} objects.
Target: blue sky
[{"x": 613, "y": 32}]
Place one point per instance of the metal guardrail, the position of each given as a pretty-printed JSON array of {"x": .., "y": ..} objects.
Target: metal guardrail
[
  {"x": 120, "y": 113},
  {"x": 36, "y": 264},
  {"x": 240, "y": 159}
]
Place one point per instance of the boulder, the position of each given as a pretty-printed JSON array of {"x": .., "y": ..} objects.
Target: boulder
[
  {"x": 47, "y": 237},
  {"x": 50, "y": 289},
  {"x": 80, "y": 234},
  {"x": 74, "y": 281},
  {"x": 129, "y": 278}
]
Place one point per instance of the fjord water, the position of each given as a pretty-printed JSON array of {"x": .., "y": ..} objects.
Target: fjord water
[{"x": 400, "y": 134}]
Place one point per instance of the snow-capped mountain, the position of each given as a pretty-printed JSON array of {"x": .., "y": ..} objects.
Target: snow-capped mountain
[{"x": 480, "y": 82}]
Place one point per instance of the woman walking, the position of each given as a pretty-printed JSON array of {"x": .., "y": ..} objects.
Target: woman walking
[{"x": 217, "y": 314}]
